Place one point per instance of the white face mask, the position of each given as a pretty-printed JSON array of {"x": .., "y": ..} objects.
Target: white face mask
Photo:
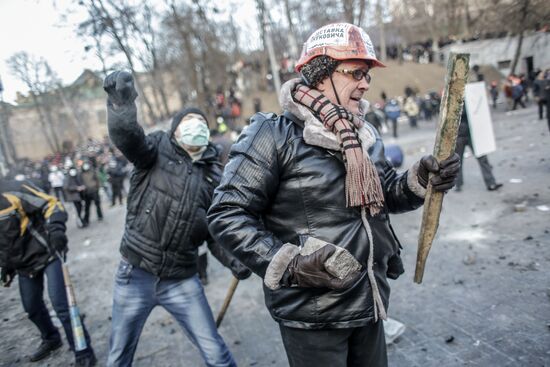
[
  {"x": 72, "y": 172},
  {"x": 193, "y": 131},
  {"x": 85, "y": 166}
]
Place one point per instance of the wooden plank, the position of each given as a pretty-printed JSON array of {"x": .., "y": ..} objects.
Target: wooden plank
[{"x": 447, "y": 131}]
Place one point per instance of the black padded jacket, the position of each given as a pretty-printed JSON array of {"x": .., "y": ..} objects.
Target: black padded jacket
[
  {"x": 277, "y": 189},
  {"x": 167, "y": 201}
]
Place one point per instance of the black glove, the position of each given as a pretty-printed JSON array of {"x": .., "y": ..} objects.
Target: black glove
[
  {"x": 6, "y": 276},
  {"x": 444, "y": 172},
  {"x": 119, "y": 85},
  {"x": 310, "y": 271},
  {"x": 58, "y": 242},
  {"x": 240, "y": 271}
]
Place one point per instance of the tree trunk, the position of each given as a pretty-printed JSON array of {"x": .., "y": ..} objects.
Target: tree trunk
[
  {"x": 361, "y": 15},
  {"x": 235, "y": 36},
  {"x": 157, "y": 84},
  {"x": 381, "y": 28},
  {"x": 465, "y": 20},
  {"x": 517, "y": 53},
  {"x": 260, "y": 8},
  {"x": 293, "y": 45},
  {"x": 522, "y": 26},
  {"x": 268, "y": 43},
  {"x": 272, "y": 57},
  {"x": 190, "y": 53},
  {"x": 99, "y": 50},
  {"x": 348, "y": 10},
  {"x": 129, "y": 58}
]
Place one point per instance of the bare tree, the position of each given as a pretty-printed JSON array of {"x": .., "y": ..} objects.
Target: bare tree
[
  {"x": 380, "y": 7},
  {"x": 33, "y": 72},
  {"x": 141, "y": 24},
  {"x": 70, "y": 106},
  {"x": 519, "y": 17},
  {"x": 204, "y": 51},
  {"x": 354, "y": 11},
  {"x": 110, "y": 18},
  {"x": 181, "y": 22},
  {"x": 293, "y": 45}
]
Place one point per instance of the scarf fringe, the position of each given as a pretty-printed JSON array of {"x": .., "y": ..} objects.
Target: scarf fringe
[{"x": 363, "y": 187}]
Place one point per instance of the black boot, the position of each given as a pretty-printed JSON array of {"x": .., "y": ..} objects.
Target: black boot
[
  {"x": 494, "y": 187},
  {"x": 45, "y": 348},
  {"x": 85, "y": 360}
]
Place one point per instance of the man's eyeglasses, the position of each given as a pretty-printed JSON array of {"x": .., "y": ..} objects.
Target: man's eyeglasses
[{"x": 357, "y": 74}]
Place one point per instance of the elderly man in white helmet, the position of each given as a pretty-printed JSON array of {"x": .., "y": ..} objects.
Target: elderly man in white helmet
[{"x": 305, "y": 201}]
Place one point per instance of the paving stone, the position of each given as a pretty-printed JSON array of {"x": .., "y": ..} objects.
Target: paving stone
[{"x": 397, "y": 358}]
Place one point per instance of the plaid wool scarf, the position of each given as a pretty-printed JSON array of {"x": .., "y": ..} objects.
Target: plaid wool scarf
[{"x": 363, "y": 186}]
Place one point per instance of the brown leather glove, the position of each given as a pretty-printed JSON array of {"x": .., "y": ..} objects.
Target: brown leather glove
[{"x": 310, "y": 271}]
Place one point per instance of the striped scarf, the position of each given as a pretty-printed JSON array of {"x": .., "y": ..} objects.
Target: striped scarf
[{"x": 363, "y": 186}]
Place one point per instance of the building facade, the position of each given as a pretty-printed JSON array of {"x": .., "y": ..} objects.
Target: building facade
[{"x": 499, "y": 52}]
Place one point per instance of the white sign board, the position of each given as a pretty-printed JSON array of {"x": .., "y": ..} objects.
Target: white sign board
[{"x": 479, "y": 118}]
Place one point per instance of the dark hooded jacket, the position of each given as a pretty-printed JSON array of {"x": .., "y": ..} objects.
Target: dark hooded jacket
[
  {"x": 71, "y": 185},
  {"x": 27, "y": 217},
  {"x": 168, "y": 199},
  {"x": 278, "y": 189}
]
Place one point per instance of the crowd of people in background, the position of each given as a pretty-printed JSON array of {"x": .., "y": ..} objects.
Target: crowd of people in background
[
  {"x": 96, "y": 170},
  {"x": 516, "y": 89},
  {"x": 227, "y": 106},
  {"x": 84, "y": 177},
  {"x": 412, "y": 106}
]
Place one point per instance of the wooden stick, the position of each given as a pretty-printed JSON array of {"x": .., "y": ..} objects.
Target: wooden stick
[
  {"x": 447, "y": 131},
  {"x": 227, "y": 301}
]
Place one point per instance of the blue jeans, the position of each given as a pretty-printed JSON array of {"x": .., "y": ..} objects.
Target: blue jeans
[
  {"x": 32, "y": 293},
  {"x": 137, "y": 292}
]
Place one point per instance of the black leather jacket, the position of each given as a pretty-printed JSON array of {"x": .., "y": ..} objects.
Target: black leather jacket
[{"x": 277, "y": 189}]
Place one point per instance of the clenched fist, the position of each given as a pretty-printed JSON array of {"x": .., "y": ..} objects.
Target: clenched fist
[{"x": 119, "y": 85}]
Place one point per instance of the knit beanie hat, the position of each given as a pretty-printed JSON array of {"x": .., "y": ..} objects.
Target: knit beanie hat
[{"x": 181, "y": 114}]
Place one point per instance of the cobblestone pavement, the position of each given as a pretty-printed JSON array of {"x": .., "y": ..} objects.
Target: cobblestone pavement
[{"x": 484, "y": 301}]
